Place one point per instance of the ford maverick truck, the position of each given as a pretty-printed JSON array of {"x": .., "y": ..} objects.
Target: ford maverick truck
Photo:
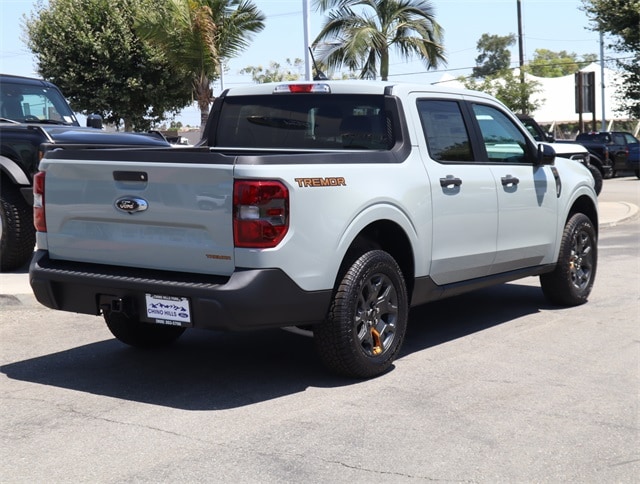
[
  {"x": 34, "y": 114},
  {"x": 332, "y": 206}
]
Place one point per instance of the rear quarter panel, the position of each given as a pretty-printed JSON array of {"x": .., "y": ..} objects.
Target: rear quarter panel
[{"x": 324, "y": 220}]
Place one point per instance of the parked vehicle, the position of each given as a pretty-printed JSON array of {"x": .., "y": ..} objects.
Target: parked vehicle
[
  {"x": 333, "y": 205},
  {"x": 634, "y": 158},
  {"x": 610, "y": 148},
  {"x": 573, "y": 151},
  {"x": 34, "y": 116}
]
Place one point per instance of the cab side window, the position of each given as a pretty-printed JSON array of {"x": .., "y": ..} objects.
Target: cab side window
[
  {"x": 503, "y": 141},
  {"x": 444, "y": 130}
]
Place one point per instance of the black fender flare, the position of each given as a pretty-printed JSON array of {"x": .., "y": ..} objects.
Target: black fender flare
[{"x": 15, "y": 173}]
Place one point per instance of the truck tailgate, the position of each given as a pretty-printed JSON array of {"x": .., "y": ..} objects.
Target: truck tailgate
[{"x": 164, "y": 209}]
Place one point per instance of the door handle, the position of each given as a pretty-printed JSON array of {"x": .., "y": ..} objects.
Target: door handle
[
  {"x": 450, "y": 181},
  {"x": 509, "y": 180}
]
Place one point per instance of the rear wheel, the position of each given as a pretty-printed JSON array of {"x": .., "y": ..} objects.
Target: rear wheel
[
  {"x": 572, "y": 280},
  {"x": 133, "y": 332},
  {"x": 637, "y": 173},
  {"x": 367, "y": 320},
  {"x": 17, "y": 234}
]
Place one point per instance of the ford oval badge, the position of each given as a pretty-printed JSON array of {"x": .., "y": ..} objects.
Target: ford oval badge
[{"x": 131, "y": 204}]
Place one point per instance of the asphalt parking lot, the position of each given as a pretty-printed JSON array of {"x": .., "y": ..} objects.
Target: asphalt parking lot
[{"x": 492, "y": 386}]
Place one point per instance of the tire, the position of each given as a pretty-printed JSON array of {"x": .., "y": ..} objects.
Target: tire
[
  {"x": 367, "y": 320},
  {"x": 572, "y": 280},
  {"x": 597, "y": 178},
  {"x": 637, "y": 172},
  {"x": 606, "y": 170},
  {"x": 141, "y": 335},
  {"x": 17, "y": 233}
]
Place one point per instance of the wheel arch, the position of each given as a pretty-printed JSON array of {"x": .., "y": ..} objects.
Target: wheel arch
[
  {"x": 585, "y": 205},
  {"x": 595, "y": 160},
  {"x": 9, "y": 168},
  {"x": 386, "y": 235}
]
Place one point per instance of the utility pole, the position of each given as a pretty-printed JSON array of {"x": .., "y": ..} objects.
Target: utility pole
[
  {"x": 523, "y": 101},
  {"x": 602, "y": 86},
  {"x": 307, "y": 52}
]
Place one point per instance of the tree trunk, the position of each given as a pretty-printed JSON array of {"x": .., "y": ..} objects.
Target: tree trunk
[
  {"x": 204, "y": 98},
  {"x": 384, "y": 64},
  {"x": 204, "y": 115}
]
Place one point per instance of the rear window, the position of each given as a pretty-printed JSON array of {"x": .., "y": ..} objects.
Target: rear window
[{"x": 305, "y": 121}]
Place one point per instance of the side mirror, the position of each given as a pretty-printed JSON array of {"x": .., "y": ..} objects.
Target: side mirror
[
  {"x": 549, "y": 137},
  {"x": 94, "y": 121},
  {"x": 546, "y": 155}
]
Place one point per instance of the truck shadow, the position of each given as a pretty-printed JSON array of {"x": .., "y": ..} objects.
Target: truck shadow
[{"x": 214, "y": 370}]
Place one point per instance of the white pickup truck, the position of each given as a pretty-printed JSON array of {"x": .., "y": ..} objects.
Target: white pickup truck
[{"x": 334, "y": 206}]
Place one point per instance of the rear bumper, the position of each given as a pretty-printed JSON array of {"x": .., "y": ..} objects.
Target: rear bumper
[{"x": 249, "y": 299}]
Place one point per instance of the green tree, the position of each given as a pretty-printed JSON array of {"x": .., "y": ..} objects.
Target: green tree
[
  {"x": 275, "y": 72},
  {"x": 620, "y": 19},
  {"x": 494, "y": 56},
  {"x": 90, "y": 50},
  {"x": 360, "y": 34},
  {"x": 509, "y": 89},
  {"x": 198, "y": 35},
  {"x": 547, "y": 63}
]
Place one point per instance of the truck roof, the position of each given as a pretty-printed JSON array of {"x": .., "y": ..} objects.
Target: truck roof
[
  {"x": 25, "y": 80},
  {"x": 352, "y": 87}
]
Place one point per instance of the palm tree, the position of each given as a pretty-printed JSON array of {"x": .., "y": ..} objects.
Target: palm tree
[
  {"x": 359, "y": 34},
  {"x": 197, "y": 35}
]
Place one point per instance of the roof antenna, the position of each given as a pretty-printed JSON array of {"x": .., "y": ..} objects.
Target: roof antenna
[{"x": 320, "y": 76}]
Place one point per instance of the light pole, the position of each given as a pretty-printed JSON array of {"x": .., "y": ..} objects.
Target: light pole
[
  {"x": 307, "y": 52},
  {"x": 604, "y": 120},
  {"x": 523, "y": 101}
]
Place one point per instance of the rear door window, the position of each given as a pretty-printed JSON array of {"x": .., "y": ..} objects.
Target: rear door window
[{"x": 445, "y": 130}]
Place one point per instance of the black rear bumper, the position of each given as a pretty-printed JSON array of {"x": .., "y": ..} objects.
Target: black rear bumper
[{"x": 248, "y": 299}]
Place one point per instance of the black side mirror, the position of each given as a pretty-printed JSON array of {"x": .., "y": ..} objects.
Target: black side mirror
[
  {"x": 546, "y": 155},
  {"x": 94, "y": 121}
]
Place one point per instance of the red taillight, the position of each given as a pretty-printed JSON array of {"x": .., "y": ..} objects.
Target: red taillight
[
  {"x": 39, "y": 220},
  {"x": 300, "y": 87},
  {"x": 260, "y": 213},
  {"x": 316, "y": 88}
]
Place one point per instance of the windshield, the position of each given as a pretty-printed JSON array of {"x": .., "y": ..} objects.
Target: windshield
[{"x": 33, "y": 103}]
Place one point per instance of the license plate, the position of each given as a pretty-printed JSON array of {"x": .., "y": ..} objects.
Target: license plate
[{"x": 171, "y": 310}]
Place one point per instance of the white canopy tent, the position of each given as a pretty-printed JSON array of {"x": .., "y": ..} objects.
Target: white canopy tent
[{"x": 557, "y": 96}]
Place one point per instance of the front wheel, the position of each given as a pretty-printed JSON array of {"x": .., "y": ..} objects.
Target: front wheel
[
  {"x": 367, "y": 319},
  {"x": 572, "y": 280},
  {"x": 597, "y": 178},
  {"x": 135, "y": 333}
]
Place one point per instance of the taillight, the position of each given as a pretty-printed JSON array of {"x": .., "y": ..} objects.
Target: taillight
[
  {"x": 316, "y": 88},
  {"x": 39, "y": 220},
  {"x": 260, "y": 213}
]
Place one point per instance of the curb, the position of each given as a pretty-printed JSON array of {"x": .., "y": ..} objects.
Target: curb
[{"x": 614, "y": 213}]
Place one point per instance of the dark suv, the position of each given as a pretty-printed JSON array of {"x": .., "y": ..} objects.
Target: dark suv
[{"x": 34, "y": 117}]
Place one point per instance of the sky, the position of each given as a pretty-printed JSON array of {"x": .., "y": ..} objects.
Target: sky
[{"x": 555, "y": 25}]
